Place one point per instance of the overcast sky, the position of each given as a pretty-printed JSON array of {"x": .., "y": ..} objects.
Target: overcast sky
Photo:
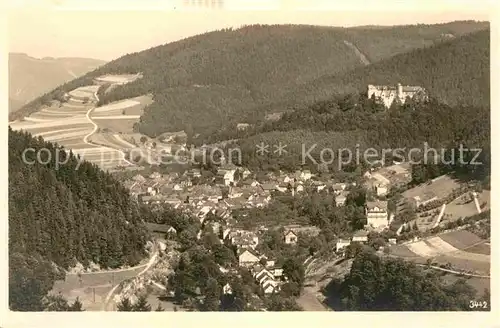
[{"x": 64, "y": 28}]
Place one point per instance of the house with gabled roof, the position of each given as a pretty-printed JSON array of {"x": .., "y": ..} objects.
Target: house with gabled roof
[
  {"x": 268, "y": 187},
  {"x": 266, "y": 279},
  {"x": 245, "y": 173},
  {"x": 247, "y": 257},
  {"x": 270, "y": 287},
  {"x": 291, "y": 237}
]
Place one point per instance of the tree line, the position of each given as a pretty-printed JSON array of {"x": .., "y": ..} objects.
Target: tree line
[{"x": 63, "y": 215}]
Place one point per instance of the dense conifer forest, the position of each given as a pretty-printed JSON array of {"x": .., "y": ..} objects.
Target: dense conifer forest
[
  {"x": 354, "y": 122},
  {"x": 455, "y": 72},
  {"x": 386, "y": 284},
  {"x": 61, "y": 216}
]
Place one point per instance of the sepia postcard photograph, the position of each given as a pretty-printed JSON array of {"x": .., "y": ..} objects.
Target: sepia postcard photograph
[{"x": 249, "y": 156}]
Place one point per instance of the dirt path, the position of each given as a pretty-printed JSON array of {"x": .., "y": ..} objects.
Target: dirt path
[
  {"x": 309, "y": 302},
  {"x": 358, "y": 53},
  {"x": 308, "y": 299},
  {"x": 453, "y": 271},
  {"x": 85, "y": 139}
]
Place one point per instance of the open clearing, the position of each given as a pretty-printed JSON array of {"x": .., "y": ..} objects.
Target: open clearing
[
  {"x": 117, "y": 126},
  {"x": 479, "y": 284},
  {"x": 461, "y": 239},
  {"x": 116, "y": 107},
  {"x": 109, "y": 140},
  {"x": 68, "y": 135},
  {"x": 118, "y": 117},
  {"x": 75, "y": 144},
  {"x": 55, "y": 132},
  {"x": 117, "y": 79},
  {"x": 483, "y": 248},
  {"x": 449, "y": 242},
  {"x": 440, "y": 245},
  {"x": 439, "y": 188},
  {"x": 462, "y": 249},
  {"x": 64, "y": 122},
  {"x": 92, "y": 288},
  {"x": 84, "y": 92},
  {"x": 455, "y": 210},
  {"x": 63, "y": 111},
  {"x": 422, "y": 249},
  {"x": 465, "y": 264}
]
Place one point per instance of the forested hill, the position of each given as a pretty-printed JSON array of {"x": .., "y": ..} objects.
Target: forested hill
[
  {"x": 64, "y": 216},
  {"x": 205, "y": 81},
  {"x": 456, "y": 72}
]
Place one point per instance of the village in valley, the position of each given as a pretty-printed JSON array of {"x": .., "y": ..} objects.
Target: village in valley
[
  {"x": 177, "y": 178},
  {"x": 398, "y": 218},
  {"x": 229, "y": 189}
]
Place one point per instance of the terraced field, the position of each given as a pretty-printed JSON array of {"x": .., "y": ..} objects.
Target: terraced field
[
  {"x": 118, "y": 79},
  {"x": 71, "y": 124},
  {"x": 120, "y": 117},
  {"x": 462, "y": 249}
]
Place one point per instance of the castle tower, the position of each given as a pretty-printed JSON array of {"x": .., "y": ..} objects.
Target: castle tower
[{"x": 400, "y": 91}]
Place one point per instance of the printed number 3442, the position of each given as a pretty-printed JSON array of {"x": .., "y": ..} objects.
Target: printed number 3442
[{"x": 478, "y": 304}]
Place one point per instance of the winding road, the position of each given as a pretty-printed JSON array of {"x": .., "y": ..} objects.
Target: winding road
[
  {"x": 96, "y": 127},
  {"x": 110, "y": 294}
]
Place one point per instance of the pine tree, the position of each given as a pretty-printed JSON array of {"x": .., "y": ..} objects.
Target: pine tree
[
  {"x": 77, "y": 306},
  {"x": 142, "y": 305},
  {"x": 125, "y": 305},
  {"x": 212, "y": 296}
]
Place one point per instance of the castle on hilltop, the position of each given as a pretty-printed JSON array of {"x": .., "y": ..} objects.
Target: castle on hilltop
[{"x": 387, "y": 94}]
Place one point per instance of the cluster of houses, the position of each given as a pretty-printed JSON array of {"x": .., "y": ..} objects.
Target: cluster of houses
[
  {"x": 234, "y": 188},
  {"x": 231, "y": 188},
  {"x": 267, "y": 273},
  {"x": 377, "y": 213}
]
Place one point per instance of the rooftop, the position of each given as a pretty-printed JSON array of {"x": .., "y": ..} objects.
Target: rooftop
[
  {"x": 361, "y": 233},
  {"x": 379, "y": 204}
]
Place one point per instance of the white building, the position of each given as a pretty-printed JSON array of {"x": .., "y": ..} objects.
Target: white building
[
  {"x": 360, "y": 236},
  {"x": 387, "y": 94},
  {"x": 227, "y": 290},
  {"x": 377, "y": 215},
  {"x": 341, "y": 244},
  {"x": 381, "y": 190},
  {"x": 290, "y": 238}
]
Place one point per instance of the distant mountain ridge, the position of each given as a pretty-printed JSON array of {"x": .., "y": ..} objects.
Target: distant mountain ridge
[
  {"x": 31, "y": 77},
  {"x": 205, "y": 82}
]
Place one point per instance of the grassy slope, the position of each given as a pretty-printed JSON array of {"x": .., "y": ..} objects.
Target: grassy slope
[{"x": 210, "y": 79}]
